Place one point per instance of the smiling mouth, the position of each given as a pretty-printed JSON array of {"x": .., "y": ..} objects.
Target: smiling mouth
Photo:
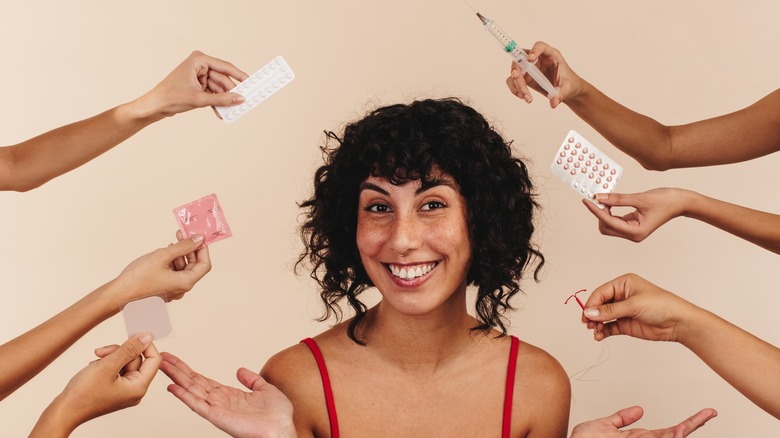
[{"x": 410, "y": 272}]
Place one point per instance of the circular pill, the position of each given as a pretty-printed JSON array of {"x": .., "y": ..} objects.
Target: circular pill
[
  {"x": 263, "y": 94},
  {"x": 595, "y": 168},
  {"x": 587, "y": 163},
  {"x": 256, "y": 98},
  {"x": 231, "y": 116},
  {"x": 577, "y": 165},
  {"x": 558, "y": 161},
  {"x": 578, "y": 145},
  {"x": 565, "y": 167},
  {"x": 576, "y": 185},
  {"x": 606, "y": 166},
  {"x": 580, "y": 157},
  {"x": 598, "y": 180},
  {"x": 612, "y": 172},
  {"x": 254, "y": 79},
  {"x": 278, "y": 62},
  {"x": 569, "y": 160},
  {"x": 598, "y": 161},
  {"x": 592, "y": 155},
  {"x": 573, "y": 172},
  {"x": 601, "y": 173},
  {"x": 563, "y": 154},
  {"x": 571, "y": 140},
  {"x": 244, "y": 107},
  {"x": 289, "y": 75},
  {"x": 585, "y": 150},
  {"x": 269, "y": 89},
  {"x": 605, "y": 186},
  {"x": 574, "y": 151},
  {"x": 609, "y": 179},
  {"x": 590, "y": 175},
  {"x": 283, "y": 79},
  {"x": 583, "y": 170},
  {"x": 266, "y": 71}
]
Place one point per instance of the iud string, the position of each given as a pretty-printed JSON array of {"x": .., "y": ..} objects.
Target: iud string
[{"x": 574, "y": 295}]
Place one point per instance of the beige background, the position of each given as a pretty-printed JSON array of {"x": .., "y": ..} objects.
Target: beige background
[{"x": 676, "y": 61}]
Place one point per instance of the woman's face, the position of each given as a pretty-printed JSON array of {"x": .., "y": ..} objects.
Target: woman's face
[{"x": 414, "y": 241}]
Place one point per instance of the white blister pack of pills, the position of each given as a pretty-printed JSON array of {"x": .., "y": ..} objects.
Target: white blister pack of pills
[
  {"x": 258, "y": 87},
  {"x": 585, "y": 168}
]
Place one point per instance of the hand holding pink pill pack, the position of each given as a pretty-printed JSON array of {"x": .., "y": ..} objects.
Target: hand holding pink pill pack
[{"x": 203, "y": 216}]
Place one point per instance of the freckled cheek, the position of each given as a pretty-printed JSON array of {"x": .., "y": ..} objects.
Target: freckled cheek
[{"x": 369, "y": 238}]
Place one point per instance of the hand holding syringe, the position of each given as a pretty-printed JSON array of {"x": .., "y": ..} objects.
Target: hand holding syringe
[{"x": 510, "y": 46}]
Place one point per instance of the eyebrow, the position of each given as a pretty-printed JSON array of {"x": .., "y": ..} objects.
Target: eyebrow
[{"x": 426, "y": 186}]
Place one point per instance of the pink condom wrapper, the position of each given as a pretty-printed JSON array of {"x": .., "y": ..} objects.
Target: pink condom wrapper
[{"x": 205, "y": 217}]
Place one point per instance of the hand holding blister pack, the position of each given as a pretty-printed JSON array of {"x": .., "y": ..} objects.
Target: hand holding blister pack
[
  {"x": 585, "y": 168},
  {"x": 258, "y": 87}
]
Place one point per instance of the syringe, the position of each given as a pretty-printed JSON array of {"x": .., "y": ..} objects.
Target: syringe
[{"x": 510, "y": 46}]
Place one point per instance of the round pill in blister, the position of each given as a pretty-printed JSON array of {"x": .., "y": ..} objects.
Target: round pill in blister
[
  {"x": 558, "y": 161},
  {"x": 263, "y": 94},
  {"x": 266, "y": 71},
  {"x": 573, "y": 172},
  {"x": 583, "y": 170},
  {"x": 289, "y": 75},
  {"x": 587, "y": 163},
  {"x": 580, "y": 158},
  {"x": 570, "y": 140},
  {"x": 244, "y": 107},
  {"x": 569, "y": 160},
  {"x": 574, "y": 151},
  {"x": 275, "y": 84},
  {"x": 606, "y": 166},
  {"x": 284, "y": 68},
  {"x": 278, "y": 61},
  {"x": 578, "y": 145},
  {"x": 576, "y": 165},
  {"x": 592, "y": 155},
  {"x": 575, "y": 184},
  {"x": 605, "y": 186},
  {"x": 613, "y": 171},
  {"x": 563, "y": 154},
  {"x": 601, "y": 173},
  {"x": 598, "y": 161},
  {"x": 585, "y": 150},
  {"x": 609, "y": 179},
  {"x": 254, "y": 79},
  {"x": 591, "y": 175},
  {"x": 595, "y": 168},
  {"x": 231, "y": 116},
  {"x": 256, "y": 98},
  {"x": 566, "y": 147},
  {"x": 565, "y": 167},
  {"x": 598, "y": 180},
  {"x": 283, "y": 80}
]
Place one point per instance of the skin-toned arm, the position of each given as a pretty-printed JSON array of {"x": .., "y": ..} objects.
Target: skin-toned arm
[
  {"x": 609, "y": 427},
  {"x": 635, "y": 307},
  {"x": 658, "y": 206},
  {"x": 117, "y": 381},
  {"x": 739, "y": 136},
  {"x": 198, "y": 81},
  {"x": 262, "y": 413},
  {"x": 173, "y": 270}
]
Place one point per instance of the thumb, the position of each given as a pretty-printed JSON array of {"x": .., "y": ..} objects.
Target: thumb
[
  {"x": 250, "y": 379},
  {"x": 222, "y": 99},
  {"x": 616, "y": 199},
  {"x": 626, "y": 416},
  {"x": 184, "y": 246},
  {"x": 128, "y": 351},
  {"x": 609, "y": 311}
]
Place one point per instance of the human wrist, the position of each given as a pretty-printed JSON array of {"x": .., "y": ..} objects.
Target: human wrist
[
  {"x": 144, "y": 110},
  {"x": 56, "y": 421}
]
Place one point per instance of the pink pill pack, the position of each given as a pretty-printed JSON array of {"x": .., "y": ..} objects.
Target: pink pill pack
[
  {"x": 203, "y": 216},
  {"x": 585, "y": 168}
]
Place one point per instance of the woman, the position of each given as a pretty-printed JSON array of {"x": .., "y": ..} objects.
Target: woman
[{"x": 421, "y": 201}]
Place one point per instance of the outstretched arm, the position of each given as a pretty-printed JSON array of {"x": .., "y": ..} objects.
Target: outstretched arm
[
  {"x": 25, "y": 356},
  {"x": 635, "y": 307},
  {"x": 739, "y": 136},
  {"x": 609, "y": 427},
  {"x": 197, "y": 82},
  {"x": 658, "y": 206}
]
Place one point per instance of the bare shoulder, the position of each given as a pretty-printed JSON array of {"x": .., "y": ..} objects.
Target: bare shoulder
[
  {"x": 295, "y": 372},
  {"x": 542, "y": 392}
]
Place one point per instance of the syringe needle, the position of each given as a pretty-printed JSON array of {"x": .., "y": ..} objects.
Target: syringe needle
[
  {"x": 467, "y": 4},
  {"x": 482, "y": 18}
]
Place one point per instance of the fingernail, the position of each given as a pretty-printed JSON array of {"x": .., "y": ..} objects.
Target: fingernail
[
  {"x": 591, "y": 312},
  {"x": 197, "y": 239},
  {"x": 238, "y": 99},
  {"x": 145, "y": 337},
  {"x": 527, "y": 98},
  {"x": 602, "y": 196}
]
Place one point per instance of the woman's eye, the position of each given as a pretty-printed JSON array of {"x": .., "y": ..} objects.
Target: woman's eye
[
  {"x": 378, "y": 208},
  {"x": 432, "y": 205}
]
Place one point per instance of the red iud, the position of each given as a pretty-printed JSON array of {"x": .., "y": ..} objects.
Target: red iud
[{"x": 576, "y": 298}]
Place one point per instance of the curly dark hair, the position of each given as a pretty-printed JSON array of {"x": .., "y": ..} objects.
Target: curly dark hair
[{"x": 406, "y": 142}]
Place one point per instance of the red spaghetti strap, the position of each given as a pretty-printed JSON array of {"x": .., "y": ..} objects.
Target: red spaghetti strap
[
  {"x": 510, "y": 388},
  {"x": 334, "y": 422}
]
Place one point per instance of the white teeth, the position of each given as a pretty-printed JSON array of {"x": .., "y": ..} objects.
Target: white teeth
[{"x": 408, "y": 273}]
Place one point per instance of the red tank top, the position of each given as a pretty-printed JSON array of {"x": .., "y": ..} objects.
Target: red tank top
[{"x": 506, "y": 424}]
